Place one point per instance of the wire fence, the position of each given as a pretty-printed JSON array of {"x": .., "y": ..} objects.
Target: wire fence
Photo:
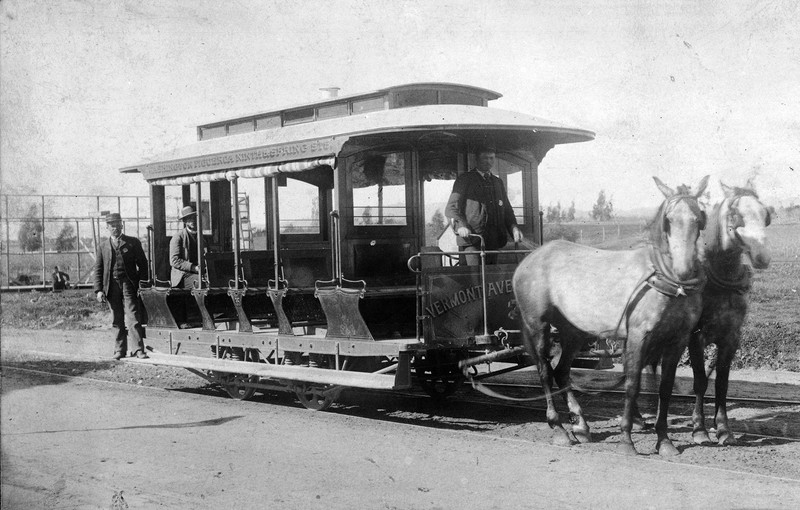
[{"x": 39, "y": 232}]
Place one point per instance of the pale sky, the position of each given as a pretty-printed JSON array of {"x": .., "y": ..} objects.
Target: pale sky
[{"x": 673, "y": 89}]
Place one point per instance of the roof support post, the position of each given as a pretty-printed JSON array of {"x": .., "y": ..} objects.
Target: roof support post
[
  {"x": 336, "y": 241},
  {"x": 276, "y": 237},
  {"x": 236, "y": 226},
  {"x": 201, "y": 262}
]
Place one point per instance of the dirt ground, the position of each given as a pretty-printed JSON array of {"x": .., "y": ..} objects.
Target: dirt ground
[{"x": 76, "y": 441}]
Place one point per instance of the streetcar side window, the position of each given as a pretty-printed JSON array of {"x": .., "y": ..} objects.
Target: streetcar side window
[
  {"x": 379, "y": 189},
  {"x": 298, "y": 204},
  {"x": 252, "y": 215}
]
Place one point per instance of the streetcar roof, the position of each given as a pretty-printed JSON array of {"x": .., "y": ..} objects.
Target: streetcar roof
[
  {"x": 325, "y": 138},
  {"x": 485, "y": 94}
]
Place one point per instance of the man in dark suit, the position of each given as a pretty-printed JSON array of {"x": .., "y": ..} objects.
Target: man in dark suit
[
  {"x": 183, "y": 252},
  {"x": 479, "y": 205},
  {"x": 60, "y": 280},
  {"x": 119, "y": 267}
]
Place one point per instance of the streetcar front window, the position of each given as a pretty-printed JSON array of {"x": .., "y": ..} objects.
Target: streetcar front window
[{"x": 511, "y": 174}]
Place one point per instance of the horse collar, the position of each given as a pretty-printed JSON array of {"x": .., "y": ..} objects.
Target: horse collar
[
  {"x": 664, "y": 281},
  {"x": 739, "y": 285}
]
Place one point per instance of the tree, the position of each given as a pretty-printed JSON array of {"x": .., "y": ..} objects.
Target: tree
[
  {"x": 30, "y": 231},
  {"x": 554, "y": 213},
  {"x": 366, "y": 216},
  {"x": 66, "y": 238},
  {"x": 435, "y": 227},
  {"x": 569, "y": 215},
  {"x": 603, "y": 209}
]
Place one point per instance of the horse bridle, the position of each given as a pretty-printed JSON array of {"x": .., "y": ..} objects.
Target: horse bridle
[
  {"x": 735, "y": 220},
  {"x": 701, "y": 214},
  {"x": 734, "y": 217}
]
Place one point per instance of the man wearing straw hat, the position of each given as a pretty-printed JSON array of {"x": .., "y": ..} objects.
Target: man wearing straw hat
[
  {"x": 185, "y": 273},
  {"x": 119, "y": 267}
]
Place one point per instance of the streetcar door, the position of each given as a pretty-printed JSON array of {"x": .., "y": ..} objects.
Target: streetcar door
[{"x": 380, "y": 226}]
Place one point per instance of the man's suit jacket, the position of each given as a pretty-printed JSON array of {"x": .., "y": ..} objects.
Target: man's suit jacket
[
  {"x": 132, "y": 256},
  {"x": 182, "y": 257}
]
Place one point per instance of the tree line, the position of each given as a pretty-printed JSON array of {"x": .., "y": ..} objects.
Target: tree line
[{"x": 602, "y": 210}]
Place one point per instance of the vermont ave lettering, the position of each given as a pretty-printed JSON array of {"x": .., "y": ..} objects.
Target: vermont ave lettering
[{"x": 468, "y": 295}]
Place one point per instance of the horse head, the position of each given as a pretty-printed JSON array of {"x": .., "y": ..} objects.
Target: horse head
[
  {"x": 678, "y": 224},
  {"x": 743, "y": 222}
]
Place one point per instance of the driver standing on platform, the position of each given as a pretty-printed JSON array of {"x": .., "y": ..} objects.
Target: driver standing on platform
[{"x": 479, "y": 205}]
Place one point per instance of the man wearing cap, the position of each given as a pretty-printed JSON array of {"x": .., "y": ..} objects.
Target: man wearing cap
[
  {"x": 479, "y": 205},
  {"x": 119, "y": 266},
  {"x": 183, "y": 252}
]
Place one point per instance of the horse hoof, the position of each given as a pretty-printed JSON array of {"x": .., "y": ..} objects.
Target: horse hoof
[
  {"x": 561, "y": 438},
  {"x": 726, "y": 439},
  {"x": 627, "y": 449},
  {"x": 582, "y": 435},
  {"x": 667, "y": 449},
  {"x": 701, "y": 437}
]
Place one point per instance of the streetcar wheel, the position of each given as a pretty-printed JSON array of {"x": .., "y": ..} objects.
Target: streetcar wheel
[
  {"x": 317, "y": 397},
  {"x": 441, "y": 388},
  {"x": 237, "y": 391},
  {"x": 438, "y": 373},
  {"x": 231, "y": 383}
]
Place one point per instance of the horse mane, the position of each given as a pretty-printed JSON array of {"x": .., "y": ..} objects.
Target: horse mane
[
  {"x": 712, "y": 238},
  {"x": 656, "y": 226}
]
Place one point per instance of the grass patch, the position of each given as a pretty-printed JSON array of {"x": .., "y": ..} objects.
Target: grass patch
[{"x": 71, "y": 309}]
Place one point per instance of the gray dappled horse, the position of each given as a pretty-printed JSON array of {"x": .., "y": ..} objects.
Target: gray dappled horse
[
  {"x": 588, "y": 293},
  {"x": 736, "y": 226}
]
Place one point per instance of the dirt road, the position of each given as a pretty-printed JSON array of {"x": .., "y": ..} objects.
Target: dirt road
[{"x": 76, "y": 442}]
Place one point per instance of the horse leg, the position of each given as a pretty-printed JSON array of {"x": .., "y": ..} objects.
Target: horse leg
[
  {"x": 725, "y": 356},
  {"x": 580, "y": 429},
  {"x": 538, "y": 340},
  {"x": 669, "y": 364},
  {"x": 699, "y": 432},
  {"x": 633, "y": 378},
  {"x": 639, "y": 423}
]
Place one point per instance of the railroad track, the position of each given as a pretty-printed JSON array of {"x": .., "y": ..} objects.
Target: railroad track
[{"x": 596, "y": 406}]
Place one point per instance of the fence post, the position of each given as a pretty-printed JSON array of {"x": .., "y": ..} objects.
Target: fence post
[
  {"x": 44, "y": 262},
  {"x": 137, "y": 217},
  {"x": 8, "y": 248},
  {"x": 78, "y": 248}
]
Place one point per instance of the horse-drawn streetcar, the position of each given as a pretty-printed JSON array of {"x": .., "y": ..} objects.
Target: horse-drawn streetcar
[{"x": 324, "y": 257}]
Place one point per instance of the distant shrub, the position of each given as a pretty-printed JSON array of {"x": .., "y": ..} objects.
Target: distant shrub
[{"x": 560, "y": 231}]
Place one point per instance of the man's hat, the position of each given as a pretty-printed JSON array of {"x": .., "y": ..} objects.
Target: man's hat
[
  {"x": 186, "y": 212},
  {"x": 112, "y": 217}
]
